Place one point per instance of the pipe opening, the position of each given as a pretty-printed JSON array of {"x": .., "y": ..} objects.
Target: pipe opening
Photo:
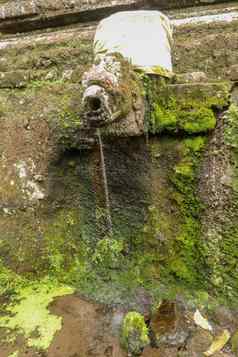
[{"x": 94, "y": 103}]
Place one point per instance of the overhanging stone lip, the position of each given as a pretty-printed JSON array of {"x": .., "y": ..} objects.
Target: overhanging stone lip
[
  {"x": 24, "y": 15},
  {"x": 34, "y": 18}
]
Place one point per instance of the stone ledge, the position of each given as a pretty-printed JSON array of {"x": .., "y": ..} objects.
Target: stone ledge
[{"x": 22, "y": 15}]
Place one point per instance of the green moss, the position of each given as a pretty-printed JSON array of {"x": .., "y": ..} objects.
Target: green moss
[
  {"x": 163, "y": 119},
  {"x": 76, "y": 54},
  {"x": 30, "y": 315},
  {"x": 192, "y": 118},
  {"x": 183, "y": 170},
  {"x": 37, "y": 84},
  {"x": 194, "y": 146},
  {"x": 186, "y": 108},
  {"x": 62, "y": 243},
  {"x": 219, "y": 249},
  {"x": 134, "y": 333},
  {"x": 108, "y": 253},
  {"x": 184, "y": 257},
  {"x": 198, "y": 120},
  {"x": 68, "y": 117},
  {"x": 9, "y": 281}
]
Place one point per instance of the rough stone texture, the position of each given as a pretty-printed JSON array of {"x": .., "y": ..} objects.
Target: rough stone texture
[
  {"x": 162, "y": 352},
  {"x": 197, "y": 47},
  {"x": 23, "y": 15},
  {"x": 88, "y": 330},
  {"x": 199, "y": 343},
  {"x": 52, "y": 201},
  {"x": 119, "y": 98},
  {"x": 233, "y": 73},
  {"x": 170, "y": 325},
  {"x": 195, "y": 77},
  {"x": 201, "y": 48}
]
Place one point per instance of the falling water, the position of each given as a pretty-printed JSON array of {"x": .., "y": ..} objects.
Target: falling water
[{"x": 104, "y": 175}]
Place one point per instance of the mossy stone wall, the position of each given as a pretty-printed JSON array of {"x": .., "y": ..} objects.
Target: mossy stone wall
[{"x": 53, "y": 206}]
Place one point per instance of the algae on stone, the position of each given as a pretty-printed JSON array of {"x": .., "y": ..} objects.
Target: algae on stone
[{"x": 30, "y": 315}]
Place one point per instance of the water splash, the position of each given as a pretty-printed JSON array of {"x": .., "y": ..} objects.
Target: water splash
[{"x": 105, "y": 183}]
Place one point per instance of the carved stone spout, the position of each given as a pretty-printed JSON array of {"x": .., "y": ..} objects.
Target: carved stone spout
[
  {"x": 113, "y": 92},
  {"x": 113, "y": 96},
  {"x": 96, "y": 109},
  {"x": 101, "y": 85}
]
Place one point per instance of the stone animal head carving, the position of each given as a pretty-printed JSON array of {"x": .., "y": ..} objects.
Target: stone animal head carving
[{"x": 113, "y": 94}]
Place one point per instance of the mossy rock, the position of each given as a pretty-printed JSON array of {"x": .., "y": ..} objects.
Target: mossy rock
[
  {"x": 187, "y": 108},
  {"x": 134, "y": 333}
]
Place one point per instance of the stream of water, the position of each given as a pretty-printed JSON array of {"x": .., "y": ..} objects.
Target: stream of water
[{"x": 105, "y": 184}]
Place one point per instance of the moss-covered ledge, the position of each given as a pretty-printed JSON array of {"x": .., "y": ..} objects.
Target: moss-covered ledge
[{"x": 188, "y": 108}]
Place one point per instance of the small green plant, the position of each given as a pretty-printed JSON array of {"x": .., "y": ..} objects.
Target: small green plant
[
  {"x": 9, "y": 281},
  {"x": 108, "y": 253},
  {"x": 134, "y": 333}
]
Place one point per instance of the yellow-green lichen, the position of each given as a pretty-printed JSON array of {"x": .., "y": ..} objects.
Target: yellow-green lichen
[{"x": 29, "y": 314}]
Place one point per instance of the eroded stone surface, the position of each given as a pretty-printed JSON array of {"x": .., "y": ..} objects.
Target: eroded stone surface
[
  {"x": 30, "y": 15},
  {"x": 52, "y": 201}
]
